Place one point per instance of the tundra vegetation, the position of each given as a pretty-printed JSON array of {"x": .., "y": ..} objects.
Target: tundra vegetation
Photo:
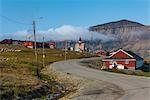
[{"x": 18, "y": 72}]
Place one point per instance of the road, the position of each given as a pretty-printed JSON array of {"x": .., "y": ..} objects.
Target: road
[{"x": 135, "y": 87}]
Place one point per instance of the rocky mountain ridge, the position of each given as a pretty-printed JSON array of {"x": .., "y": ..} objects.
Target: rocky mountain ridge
[{"x": 128, "y": 35}]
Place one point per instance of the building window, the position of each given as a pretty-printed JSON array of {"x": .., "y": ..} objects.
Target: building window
[
  {"x": 126, "y": 62},
  {"x": 110, "y": 62}
]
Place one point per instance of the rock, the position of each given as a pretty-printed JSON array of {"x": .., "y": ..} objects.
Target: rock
[
  {"x": 9, "y": 50},
  {"x": 35, "y": 93},
  {"x": 17, "y": 50},
  {"x": 9, "y": 95},
  {"x": 53, "y": 96}
]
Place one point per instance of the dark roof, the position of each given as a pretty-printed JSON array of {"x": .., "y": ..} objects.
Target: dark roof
[{"x": 137, "y": 57}]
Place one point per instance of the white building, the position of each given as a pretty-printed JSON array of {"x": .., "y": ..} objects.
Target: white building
[{"x": 80, "y": 46}]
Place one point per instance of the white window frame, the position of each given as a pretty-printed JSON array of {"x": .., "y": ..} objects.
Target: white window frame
[
  {"x": 111, "y": 62},
  {"x": 126, "y": 61}
]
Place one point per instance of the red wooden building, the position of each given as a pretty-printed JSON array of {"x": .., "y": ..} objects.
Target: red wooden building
[
  {"x": 52, "y": 45},
  {"x": 123, "y": 60},
  {"x": 28, "y": 44},
  {"x": 101, "y": 53}
]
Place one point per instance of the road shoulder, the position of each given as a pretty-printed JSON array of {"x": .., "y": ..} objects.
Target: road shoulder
[{"x": 87, "y": 89}]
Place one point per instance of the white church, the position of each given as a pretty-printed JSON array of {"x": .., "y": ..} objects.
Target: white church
[{"x": 79, "y": 46}]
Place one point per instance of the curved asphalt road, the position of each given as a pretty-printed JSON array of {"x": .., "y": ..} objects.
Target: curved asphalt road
[{"x": 135, "y": 87}]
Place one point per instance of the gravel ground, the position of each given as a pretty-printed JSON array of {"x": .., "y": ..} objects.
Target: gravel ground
[
  {"x": 94, "y": 90},
  {"x": 101, "y": 85},
  {"x": 87, "y": 89}
]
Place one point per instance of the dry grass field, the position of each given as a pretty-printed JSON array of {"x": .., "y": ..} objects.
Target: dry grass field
[{"x": 18, "y": 69}]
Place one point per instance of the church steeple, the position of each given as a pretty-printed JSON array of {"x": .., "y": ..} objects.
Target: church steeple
[
  {"x": 79, "y": 46},
  {"x": 80, "y": 39}
]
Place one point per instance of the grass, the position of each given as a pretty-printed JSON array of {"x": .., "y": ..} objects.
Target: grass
[
  {"x": 130, "y": 72},
  {"x": 18, "y": 69},
  {"x": 97, "y": 64}
]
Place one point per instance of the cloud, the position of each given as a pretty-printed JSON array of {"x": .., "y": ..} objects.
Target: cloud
[
  {"x": 19, "y": 35},
  {"x": 65, "y": 32}
]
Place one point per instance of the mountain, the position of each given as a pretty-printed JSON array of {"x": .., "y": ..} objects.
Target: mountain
[
  {"x": 127, "y": 34},
  {"x": 121, "y": 24}
]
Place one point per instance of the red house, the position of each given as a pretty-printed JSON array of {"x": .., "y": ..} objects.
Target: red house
[
  {"x": 28, "y": 44},
  {"x": 123, "y": 60},
  {"x": 101, "y": 53},
  {"x": 6, "y": 41},
  {"x": 52, "y": 45}
]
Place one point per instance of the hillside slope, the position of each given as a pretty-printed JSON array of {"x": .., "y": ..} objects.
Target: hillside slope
[{"x": 128, "y": 35}]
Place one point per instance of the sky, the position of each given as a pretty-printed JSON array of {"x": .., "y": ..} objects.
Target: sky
[{"x": 73, "y": 16}]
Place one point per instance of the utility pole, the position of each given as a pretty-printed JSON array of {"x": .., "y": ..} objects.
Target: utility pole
[
  {"x": 65, "y": 49},
  {"x": 35, "y": 49},
  {"x": 26, "y": 37},
  {"x": 29, "y": 38},
  {"x": 43, "y": 54},
  {"x": 92, "y": 42}
]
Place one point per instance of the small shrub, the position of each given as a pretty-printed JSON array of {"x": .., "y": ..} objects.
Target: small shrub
[
  {"x": 139, "y": 72},
  {"x": 45, "y": 77}
]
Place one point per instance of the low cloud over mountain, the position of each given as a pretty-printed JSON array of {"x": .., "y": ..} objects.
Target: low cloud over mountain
[{"x": 65, "y": 32}]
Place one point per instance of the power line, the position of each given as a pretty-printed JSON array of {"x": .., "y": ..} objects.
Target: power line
[{"x": 12, "y": 20}]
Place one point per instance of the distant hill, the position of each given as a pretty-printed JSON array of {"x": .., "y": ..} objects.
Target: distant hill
[
  {"x": 128, "y": 34},
  {"x": 121, "y": 24}
]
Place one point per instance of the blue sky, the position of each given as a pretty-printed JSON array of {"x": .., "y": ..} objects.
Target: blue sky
[{"x": 57, "y": 13}]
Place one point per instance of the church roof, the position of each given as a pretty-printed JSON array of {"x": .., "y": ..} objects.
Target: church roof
[{"x": 80, "y": 39}]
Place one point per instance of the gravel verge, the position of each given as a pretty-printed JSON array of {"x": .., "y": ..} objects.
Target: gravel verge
[{"x": 86, "y": 89}]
